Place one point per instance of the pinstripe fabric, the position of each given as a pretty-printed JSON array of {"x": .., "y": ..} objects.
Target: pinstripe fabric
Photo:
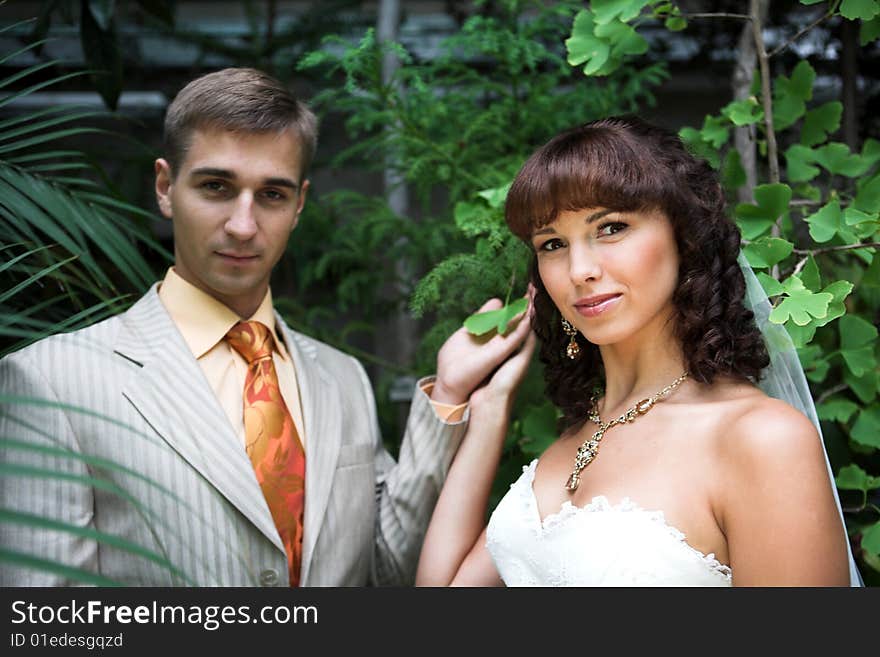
[{"x": 182, "y": 486}]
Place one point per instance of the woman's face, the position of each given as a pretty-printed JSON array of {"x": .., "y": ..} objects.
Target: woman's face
[{"x": 611, "y": 274}]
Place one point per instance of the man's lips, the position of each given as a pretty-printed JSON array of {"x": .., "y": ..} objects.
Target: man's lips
[
  {"x": 237, "y": 257},
  {"x": 595, "y": 305}
]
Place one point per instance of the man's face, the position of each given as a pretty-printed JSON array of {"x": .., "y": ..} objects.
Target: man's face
[{"x": 234, "y": 200}]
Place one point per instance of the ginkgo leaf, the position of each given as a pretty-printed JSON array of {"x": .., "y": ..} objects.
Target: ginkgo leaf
[
  {"x": 498, "y": 320},
  {"x": 825, "y": 223},
  {"x": 800, "y": 305}
]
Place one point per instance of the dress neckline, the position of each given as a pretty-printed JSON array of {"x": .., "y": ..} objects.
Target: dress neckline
[{"x": 600, "y": 503}]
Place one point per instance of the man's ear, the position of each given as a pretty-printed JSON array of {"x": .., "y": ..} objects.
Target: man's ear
[
  {"x": 300, "y": 202},
  {"x": 164, "y": 180}
]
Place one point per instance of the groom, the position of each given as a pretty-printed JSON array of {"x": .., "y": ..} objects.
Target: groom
[{"x": 196, "y": 439}]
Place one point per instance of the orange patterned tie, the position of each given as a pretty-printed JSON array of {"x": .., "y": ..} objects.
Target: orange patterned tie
[{"x": 271, "y": 439}]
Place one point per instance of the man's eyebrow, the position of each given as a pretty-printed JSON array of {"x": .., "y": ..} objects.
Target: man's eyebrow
[
  {"x": 213, "y": 171},
  {"x": 230, "y": 175}
]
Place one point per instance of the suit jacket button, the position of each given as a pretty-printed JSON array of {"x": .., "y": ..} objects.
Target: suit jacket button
[{"x": 268, "y": 577}]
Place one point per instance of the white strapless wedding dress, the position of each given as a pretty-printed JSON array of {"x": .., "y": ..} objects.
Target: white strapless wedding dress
[{"x": 599, "y": 544}]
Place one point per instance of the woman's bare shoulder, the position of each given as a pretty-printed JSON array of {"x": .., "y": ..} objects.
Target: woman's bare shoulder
[{"x": 758, "y": 435}]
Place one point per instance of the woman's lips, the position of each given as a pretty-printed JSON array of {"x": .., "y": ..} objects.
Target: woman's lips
[{"x": 595, "y": 306}]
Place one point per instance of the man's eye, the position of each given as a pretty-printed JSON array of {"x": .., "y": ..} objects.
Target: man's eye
[
  {"x": 215, "y": 186},
  {"x": 611, "y": 228},
  {"x": 274, "y": 195}
]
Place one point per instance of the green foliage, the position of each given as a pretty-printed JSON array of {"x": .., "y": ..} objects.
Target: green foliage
[
  {"x": 455, "y": 130},
  {"x": 72, "y": 249},
  {"x": 819, "y": 223}
]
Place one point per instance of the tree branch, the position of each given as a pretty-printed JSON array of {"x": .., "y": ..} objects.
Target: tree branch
[
  {"x": 840, "y": 387},
  {"x": 766, "y": 95},
  {"x": 802, "y": 32},
  {"x": 842, "y": 247},
  {"x": 742, "y": 17}
]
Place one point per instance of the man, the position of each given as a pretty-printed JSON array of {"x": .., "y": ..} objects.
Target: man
[{"x": 196, "y": 439}]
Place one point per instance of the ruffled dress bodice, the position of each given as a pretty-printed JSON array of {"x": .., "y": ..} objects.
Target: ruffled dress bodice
[{"x": 600, "y": 544}]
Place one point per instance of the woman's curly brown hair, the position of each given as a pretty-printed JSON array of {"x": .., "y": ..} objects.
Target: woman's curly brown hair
[{"x": 625, "y": 164}]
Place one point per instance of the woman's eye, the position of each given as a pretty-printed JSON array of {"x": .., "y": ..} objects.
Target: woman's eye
[
  {"x": 611, "y": 228},
  {"x": 550, "y": 245}
]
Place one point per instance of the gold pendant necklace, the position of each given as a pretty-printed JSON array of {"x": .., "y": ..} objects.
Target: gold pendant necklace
[{"x": 590, "y": 447}]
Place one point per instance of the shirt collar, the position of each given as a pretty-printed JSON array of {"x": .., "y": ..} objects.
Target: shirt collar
[{"x": 203, "y": 320}]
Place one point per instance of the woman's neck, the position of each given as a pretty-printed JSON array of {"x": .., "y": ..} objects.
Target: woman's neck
[{"x": 639, "y": 368}]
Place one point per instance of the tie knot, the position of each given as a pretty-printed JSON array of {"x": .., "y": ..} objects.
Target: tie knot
[{"x": 252, "y": 340}]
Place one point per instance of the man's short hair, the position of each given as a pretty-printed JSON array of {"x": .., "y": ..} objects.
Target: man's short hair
[{"x": 239, "y": 100}]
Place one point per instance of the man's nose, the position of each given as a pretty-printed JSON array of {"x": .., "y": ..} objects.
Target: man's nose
[{"x": 242, "y": 223}]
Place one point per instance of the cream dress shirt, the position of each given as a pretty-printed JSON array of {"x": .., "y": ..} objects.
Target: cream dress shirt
[{"x": 204, "y": 322}]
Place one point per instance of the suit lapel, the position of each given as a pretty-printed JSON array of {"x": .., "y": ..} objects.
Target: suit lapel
[
  {"x": 322, "y": 409},
  {"x": 173, "y": 396}
]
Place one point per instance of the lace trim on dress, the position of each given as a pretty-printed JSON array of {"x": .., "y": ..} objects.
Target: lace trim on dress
[{"x": 600, "y": 503}]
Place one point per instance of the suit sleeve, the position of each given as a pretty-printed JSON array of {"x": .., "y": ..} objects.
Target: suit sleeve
[
  {"x": 45, "y": 492},
  {"x": 407, "y": 490}
]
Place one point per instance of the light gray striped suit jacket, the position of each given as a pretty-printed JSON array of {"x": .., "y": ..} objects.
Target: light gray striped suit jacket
[{"x": 150, "y": 485}]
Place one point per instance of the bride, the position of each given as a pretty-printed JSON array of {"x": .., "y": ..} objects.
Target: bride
[{"x": 673, "y": 468}]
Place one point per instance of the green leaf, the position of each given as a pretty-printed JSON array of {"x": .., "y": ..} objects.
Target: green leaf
[
  {"x": 866, "y": 430},
  {"x": 868, "y": 195},
  {"x": 837, "y": 410},
  {"x": 583, "y": 45},
  {"x": 606, "y": 11},
  {"x": 800, "y": 305},
  {"x": 495, "y": 197},
  {"x": 771, "y": 286},
  {"x": 810, "y": 275},
  {"x": 852, "y": 477},
  {"x": 624, "y": 40},
  {"x": 767, "y": 251},
  {"x": 801, "y": 335},
  {"x": 693, "y": 139},
  {"x": 865, "y": 386},
  {"x": 871, "y": 151},
  {"x": 675, "y": 24},
  {"x": 855, "y": 332},
  {"x": 821, "y": 121},
  {"x": 802, "y": 78},
  {"x": 732, "y": 173},
  {"x": 854, "y": 217},
  {"x": 481, "y": 323},
  {"x": 789, "y": 95},
  {"x": 744, "y": 112},
  {"x": 857, "y": 338},
  {"x": 798, "y": 160},
  {"x": 771, "y": 202},
  {"x": 871, "y": 539},
  {"x": 869, "y": 31},
  {"x": 859, "y": 9},
  {"x": 815, "y": 364},
  {"x": 825, "y": 223},
  {"x": 839, "y": 290},
  {"x": 539, "y": 429},
  {"x": 836, "y": 158},
  {"x": 715, "y": 131}
]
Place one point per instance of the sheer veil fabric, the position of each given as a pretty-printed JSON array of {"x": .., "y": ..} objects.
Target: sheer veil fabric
[{"x": 784, "y": 378}]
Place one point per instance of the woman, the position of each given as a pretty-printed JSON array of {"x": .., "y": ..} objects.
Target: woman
[{"x": 702, "y": 479}]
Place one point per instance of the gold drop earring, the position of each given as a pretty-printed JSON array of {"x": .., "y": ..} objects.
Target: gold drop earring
[{"x": 572, "y": 350}]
